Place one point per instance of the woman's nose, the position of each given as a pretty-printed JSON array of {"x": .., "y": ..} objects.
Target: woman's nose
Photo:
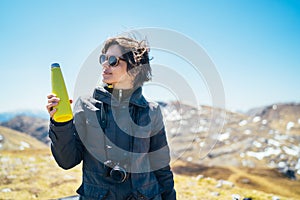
[{"x": 105, "y": 64}]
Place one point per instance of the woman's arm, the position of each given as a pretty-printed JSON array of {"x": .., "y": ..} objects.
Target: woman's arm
[
  {"x": 160, "y": 162},
  {"x": 163, "y": 173},
  {"x": 66, "y": 146}
]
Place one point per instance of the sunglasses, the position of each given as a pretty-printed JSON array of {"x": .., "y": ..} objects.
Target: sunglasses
[{"x": 112, "y": 60}]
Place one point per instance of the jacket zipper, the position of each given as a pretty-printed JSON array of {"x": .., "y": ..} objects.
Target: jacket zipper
[{"x": 120, "y": 95}]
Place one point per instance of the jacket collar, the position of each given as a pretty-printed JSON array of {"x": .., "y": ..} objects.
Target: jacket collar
[{"x": 137, "y": 98}]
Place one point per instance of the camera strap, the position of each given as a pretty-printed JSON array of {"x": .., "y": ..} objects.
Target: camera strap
[{"x": 102, "y": 118}]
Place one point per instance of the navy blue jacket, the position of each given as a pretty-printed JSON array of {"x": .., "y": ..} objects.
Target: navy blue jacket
[{"x": 124, "y": 128}]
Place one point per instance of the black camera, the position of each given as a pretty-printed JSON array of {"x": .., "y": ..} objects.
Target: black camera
[{"x": 115, "y": 171}]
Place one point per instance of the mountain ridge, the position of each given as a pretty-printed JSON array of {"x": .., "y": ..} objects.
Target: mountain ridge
[
  {"x": 8, "y": 115},
  {"x": 249, "y": 151},
  {"x": 216, "y": 136},
  {"x": 33, "y": 126}
]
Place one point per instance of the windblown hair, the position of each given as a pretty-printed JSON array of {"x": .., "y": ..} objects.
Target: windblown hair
[{"x": 136, "y": 54}]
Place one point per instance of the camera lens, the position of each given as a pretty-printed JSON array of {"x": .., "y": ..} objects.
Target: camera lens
[{"x": 118, "y": 174}]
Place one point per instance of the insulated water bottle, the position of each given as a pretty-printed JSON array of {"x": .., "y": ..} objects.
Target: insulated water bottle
[{"x": 63, "y": 109}]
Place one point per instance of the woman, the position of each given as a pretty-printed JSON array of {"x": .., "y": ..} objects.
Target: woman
[{"x": 119, "y": 136}]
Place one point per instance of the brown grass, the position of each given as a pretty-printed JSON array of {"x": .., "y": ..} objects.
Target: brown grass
[
  {"x": 267, "y": 181},
  {"x": 33, "y": 174}
]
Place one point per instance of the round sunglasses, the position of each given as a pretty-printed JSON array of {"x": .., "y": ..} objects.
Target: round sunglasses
[{"x": 113, "y": 61}]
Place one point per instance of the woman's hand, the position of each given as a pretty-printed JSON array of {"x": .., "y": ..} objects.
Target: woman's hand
[{"x": 52, "y": 101}]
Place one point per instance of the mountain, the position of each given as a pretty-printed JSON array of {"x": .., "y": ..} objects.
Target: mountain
[
  {"x": 281, "y": 117},
  {"x": 224, "y": 153},
  {"x": 6, "y": 116},
  {"x": 15, "y": 140},
  {"x": 217, "y": 137},
  {"x": 33, "y": 126},
  {"x": 267, "y": 136}
]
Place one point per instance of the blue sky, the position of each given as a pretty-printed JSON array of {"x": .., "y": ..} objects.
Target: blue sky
[{"x": 255, "y": 44}]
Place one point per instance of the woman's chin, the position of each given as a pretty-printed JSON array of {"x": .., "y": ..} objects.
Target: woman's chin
[{"x": 107, "y": 80}]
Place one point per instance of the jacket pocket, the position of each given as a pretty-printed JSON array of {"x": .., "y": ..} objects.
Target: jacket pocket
[
  {"x": 92, "y": 192},
  {"x": 151, "y": 191}
]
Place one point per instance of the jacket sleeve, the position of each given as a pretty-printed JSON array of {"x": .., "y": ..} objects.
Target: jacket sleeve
[
  {"x": 66, "y": 146},
  {"x": 160, "y": 163}
]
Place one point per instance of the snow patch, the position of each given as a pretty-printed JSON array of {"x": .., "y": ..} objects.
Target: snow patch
[
  {"x": 261, "y": 155},
  {"x": 24, "y": 145},
  {"x": 256, "y": 119},
  {"x": 243, "y": 123},
  {"x": 290, "y": 125},
  {"x": 257, "y": 144},
  {"x": 294, "y": 151},
  {"x": 274, "y": 142},
  {"x": 173, "y": 116},
  {"x": 281, "y": 137},
  {"x": 247, "y": 132},
  {"x": 224, "y": 136},
  {"x": 6, "y": 190}
]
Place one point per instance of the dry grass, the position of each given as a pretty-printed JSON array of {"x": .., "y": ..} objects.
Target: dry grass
[
  {"x": 268, "y": 180},
  {"x": 206, "y": 189},
  {"x": 13, "y": 140},
  {"x": 33, "y": 174},
  {"x": 249, "y": 182}
]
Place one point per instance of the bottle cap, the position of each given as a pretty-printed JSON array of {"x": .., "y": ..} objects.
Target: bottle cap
[{"x": 55, "y": 65}]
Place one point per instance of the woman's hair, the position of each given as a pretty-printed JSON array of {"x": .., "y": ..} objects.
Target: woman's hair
[{"x": 136, "y": 54}]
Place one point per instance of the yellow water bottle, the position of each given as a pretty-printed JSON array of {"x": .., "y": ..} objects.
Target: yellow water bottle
[{"x": 63, "y": 109}]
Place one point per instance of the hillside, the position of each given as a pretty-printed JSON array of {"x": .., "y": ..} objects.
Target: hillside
[
  {"x": 258, "y": 183},
  {"x": 28, "y": 170},
  {"x": 215, "y": 154},
  {"x": 233, "y": 139},
  {"x": 33, "y": 174},
  {"x": 267, "y": 136},
  {"x": 281, "y": 117},
  {"x": 14, "y": 140},
  {"x": 30, "y": 174},
  {"x": 34, "y": 126}
]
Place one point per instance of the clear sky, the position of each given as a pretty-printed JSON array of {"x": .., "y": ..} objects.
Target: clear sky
[{"x": 255, "y": 44}]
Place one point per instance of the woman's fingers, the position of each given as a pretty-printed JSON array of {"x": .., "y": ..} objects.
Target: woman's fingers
[
  {"x": 50, "y": 105},
  {"x": 52, "y": 112},
  {"x": 50, "y": 95},
  {"x": 52, "y": 101}
]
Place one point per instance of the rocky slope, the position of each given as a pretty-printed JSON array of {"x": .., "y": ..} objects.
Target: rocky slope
[
  {"x": 215, "y": 137},
  {"x": 223, "y": 153},
  {"x": 264, "y": 137},
  {"x": 281, "y": 117}
]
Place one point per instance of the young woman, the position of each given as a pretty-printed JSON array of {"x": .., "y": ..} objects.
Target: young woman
[{"x": 117, "y": 133}]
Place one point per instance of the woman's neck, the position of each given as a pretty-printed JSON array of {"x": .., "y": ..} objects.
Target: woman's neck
[
  {"x": 118, "y": 86},
  {"x": 120, "y": 94}
]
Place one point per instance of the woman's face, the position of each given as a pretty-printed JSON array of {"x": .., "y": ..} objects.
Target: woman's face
[{"x": 117, "y": 75}]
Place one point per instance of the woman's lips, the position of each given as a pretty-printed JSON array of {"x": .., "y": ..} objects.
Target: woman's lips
[{"x": 106, "y": 73}]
